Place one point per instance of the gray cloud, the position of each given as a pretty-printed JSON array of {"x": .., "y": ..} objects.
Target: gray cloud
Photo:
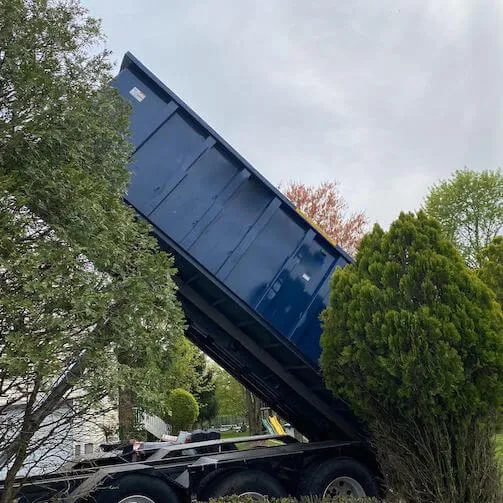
[{"x": 386, "y": 97}]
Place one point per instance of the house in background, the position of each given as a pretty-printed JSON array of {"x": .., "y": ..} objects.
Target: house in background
[{"x": 62, "y": 440}]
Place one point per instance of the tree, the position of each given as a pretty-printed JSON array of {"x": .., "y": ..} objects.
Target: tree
[
  {"x": 490, "y": 259},
  {"x": 326, "y": 208},
  {"x": 253, "y": 406},
  {"x": 183, "y": 410},
  {"x": 469, "y": 208},
  {"x": 413, "y": 340},
  {"x": 82, "y": 284},
  {"x": 208, "y": 408},
  {"x": 229, "y": 394},
  {"x": 202, "y": 385},
  {"x": 147, "y": 382}
]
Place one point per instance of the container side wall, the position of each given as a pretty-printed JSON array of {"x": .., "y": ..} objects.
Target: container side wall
[{"x": 196, "y": 191}]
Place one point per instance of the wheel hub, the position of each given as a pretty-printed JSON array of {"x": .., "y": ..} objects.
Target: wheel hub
[
  {"x": 344, "y": 486},
  {"x": 253, "y": 495},
  {"x": 137, "y": 498}
]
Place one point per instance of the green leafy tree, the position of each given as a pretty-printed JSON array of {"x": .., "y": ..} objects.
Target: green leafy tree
[
  {"x": 491, "y": 267},
  {"x": 147, "y": 382},
  {"x": 177, "y": 371},
  {"x": 413, "y": 340},
  {"x": 182, "y": 365},
  {"x": 230, "y": 394},
  {"x": 183, "y": 410},
  {"x": 82, "y": 284},
  {"x": 202, "y": 385},
  {"x": 469, "y": 208}
]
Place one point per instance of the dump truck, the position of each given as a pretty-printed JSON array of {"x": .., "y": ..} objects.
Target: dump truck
[{"x": 253, "y": 277}]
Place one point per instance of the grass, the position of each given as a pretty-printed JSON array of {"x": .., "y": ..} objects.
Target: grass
[{"x": 234, "y": 434}]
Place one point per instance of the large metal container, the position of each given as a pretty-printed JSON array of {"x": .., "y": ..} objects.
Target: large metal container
[{"x": 253, "y": 273}]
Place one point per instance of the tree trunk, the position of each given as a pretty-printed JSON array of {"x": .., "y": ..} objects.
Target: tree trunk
[
  {"x": 253, "y": 405},
  {"x": 126, "y": 417}
]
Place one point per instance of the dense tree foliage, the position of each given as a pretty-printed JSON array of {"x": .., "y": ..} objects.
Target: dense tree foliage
[
  {"x": 469, "y": 208},
  {"x": 87, "y": 301},
  {"x": 490, "y": 271},
  {"x": 183, "y": 410},
  {"x": 202, "y": 385},
  {"x": 325, "y": 207},
  {"x": 413, "y": 340},
  {"x": 230, "y": 395}
]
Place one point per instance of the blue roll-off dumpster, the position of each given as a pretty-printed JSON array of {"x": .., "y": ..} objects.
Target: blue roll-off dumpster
[{"x": 253, "y": 274}]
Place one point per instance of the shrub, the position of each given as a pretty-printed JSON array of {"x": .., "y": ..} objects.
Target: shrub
[
  {"x": 183, "y": 410},
  {"x": 413, "y": 340}
]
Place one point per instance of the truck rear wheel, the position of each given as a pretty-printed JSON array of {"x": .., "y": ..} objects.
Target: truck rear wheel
[
  {"x": 338, "y": 477},
  {"x": 137, "y": 489},
  {"x": 252, "y": 483}
]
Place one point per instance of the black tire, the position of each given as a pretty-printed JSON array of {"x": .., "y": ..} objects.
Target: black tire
[
  {"x": 321, "y": 477},
  {"x": 244, "y": 481},
  {"x": 137, "y": 485}
]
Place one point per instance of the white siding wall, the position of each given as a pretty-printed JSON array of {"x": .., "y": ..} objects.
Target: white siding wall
[{"x": 67, "y": 443}]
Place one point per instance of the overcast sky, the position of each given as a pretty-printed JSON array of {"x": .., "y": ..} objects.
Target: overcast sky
[{"x": 385, "y": 97}]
